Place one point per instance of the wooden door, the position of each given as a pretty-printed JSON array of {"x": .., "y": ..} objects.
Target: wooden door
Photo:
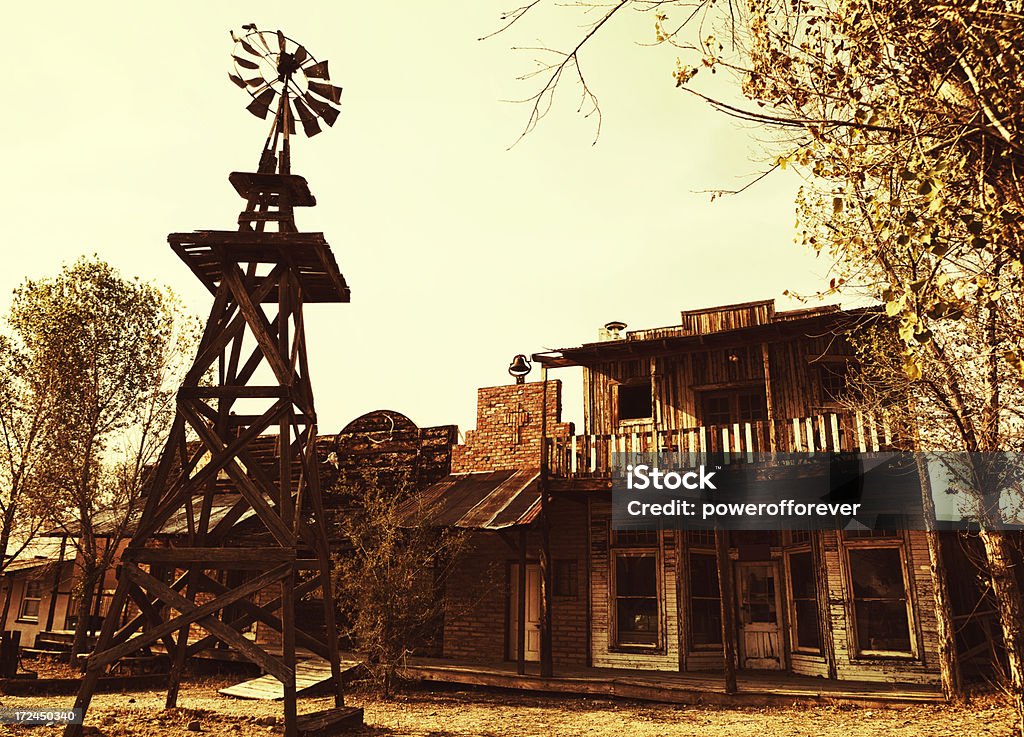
[
  {"x": 759, "y": 616},
  {"x": 532, "y": 613}
]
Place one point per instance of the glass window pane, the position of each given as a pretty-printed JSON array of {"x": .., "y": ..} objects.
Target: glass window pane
[
  {"x": 705, "y": 622},
  {"x": 880, "y": 603},
  {"x": 636, "y": 575},
  {"x": 637, "y": 621},
  {"x": 807, "y": 634},
  {"x": 801, "y": 571},
  {"x": 703, "y": 575}
]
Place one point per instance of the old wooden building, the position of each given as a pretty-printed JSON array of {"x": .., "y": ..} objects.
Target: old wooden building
[{"x": 739, "y": 379}]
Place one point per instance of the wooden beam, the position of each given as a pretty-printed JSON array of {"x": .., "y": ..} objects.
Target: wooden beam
[
  {"x": 728, "y": 607},
  {"x": 210, "y": 557},
  {"x": 521, "y": 606},
  {"x": 192, "y": 613},
  {"x": 547, "y": 574}
]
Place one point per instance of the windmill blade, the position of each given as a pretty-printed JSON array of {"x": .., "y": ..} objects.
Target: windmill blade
[
  {"x": 301, "y": 55},
  {"x": 237, "y": 80},
  {"x": 309, "y": 124},
  {"x": 321, "y": 108},
  {"x": 245, "y": 62},
  {"x": 318, "y": 71},
  {"x": 248, "y": 47},
  {"x": 280, "y": 42},
  {"x": 326, "y": 91},
  {"x": 256, "y": 82},
  {"x": 260, "y": 105}
]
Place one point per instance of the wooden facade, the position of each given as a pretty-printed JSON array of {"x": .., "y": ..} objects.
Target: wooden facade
[{"x": 740, "y": 379}]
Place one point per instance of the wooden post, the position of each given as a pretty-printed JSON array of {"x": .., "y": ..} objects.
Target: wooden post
[
  {"x": 728, "y": 608},
  {"x": 772, "y": 440},
  {"x": 828, "y": 643},
  {"x": 546, "y": 573},
  {"x": 288, "y": 650},
  {"x": 52, "y": 610},
  {"x": 521, "y": 606}
]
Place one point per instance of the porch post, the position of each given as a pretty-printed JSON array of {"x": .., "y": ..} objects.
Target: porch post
[
  {"x": 728, "y": 609},
  {"x": 52, "y": 610},
  {"x": 547, "y": 579},
  {"x": 521, "y": 606},
  {"x": 772, "y": 439}
]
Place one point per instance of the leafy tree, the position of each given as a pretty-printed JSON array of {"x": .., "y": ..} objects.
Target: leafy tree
[
  {"x": 905, "y": 119},
  {"x": 23, "y": 414},
  {"x": 101, "y": 353}
]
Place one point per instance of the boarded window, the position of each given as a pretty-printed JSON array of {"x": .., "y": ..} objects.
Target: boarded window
[
  {"x": 705, "y": 602},
  {"x": 879, "y": 600},
  {"x": 804, "y": 611},
  {"x": 30, "y": 600},
  {"x": 566, "y": 578},
  {"x": 636, "y": 599},
  {"x": 634, "y": 401}
]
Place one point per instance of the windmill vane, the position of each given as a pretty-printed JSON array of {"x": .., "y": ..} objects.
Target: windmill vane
[{"x": 281, "y": 76}]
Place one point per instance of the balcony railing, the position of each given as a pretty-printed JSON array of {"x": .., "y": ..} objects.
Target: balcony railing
[{"x": 591, "y": 455}]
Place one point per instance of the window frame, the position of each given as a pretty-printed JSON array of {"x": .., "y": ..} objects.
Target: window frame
[
  {"x": 794, "y": 640},
  {"x": 658, "y": 647},
  {"x": 692, "y": 646},
  {"x": 633, "y": 385},
  {"x": 26, "y": 599},
  {"x": 853, "y": 638}
]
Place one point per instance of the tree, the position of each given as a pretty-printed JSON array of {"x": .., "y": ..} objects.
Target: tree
[
  {"x": 905, "y": 119},
  {"x": 390, "y": 581},
  {"x": 23, "y": 414},
  {"x": 101, "y": 353}
]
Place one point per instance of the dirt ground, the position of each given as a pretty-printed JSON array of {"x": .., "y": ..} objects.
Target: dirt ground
[{"x": 450, "y": 713}]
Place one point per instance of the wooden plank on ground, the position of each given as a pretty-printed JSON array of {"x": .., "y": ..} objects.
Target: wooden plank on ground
[{"x": 308, "y": 673}]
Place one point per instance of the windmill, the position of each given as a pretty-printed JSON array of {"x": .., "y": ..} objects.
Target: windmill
[{"x": 214, "y": 474}]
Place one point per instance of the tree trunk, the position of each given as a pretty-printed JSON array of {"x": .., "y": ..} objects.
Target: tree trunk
[
  {"x": 88, "y": 584},
  {"x": 949, "y": 666},
  {"x": 1007, "y": 591}
]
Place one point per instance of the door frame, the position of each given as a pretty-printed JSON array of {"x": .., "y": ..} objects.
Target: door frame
[
  {"x": 512, "y": 616},
  {"x": 780, "y": 626}
]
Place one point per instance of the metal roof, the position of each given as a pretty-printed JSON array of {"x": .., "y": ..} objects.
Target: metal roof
[{"x": 490, "y": 500}]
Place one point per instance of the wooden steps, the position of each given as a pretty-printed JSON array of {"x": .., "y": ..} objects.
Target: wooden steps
[
  {"x": 329, "y": 721},
  {"x": 308, "y": 673}
]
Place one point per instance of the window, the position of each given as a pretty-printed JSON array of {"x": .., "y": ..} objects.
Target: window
[
  {"x": 879, "y": 600},
  {"x": 635, "y": 537},
  {"x": 566, "y": 578},
  {"x": 727, "y": 407},
  {"x": 31, "y": 599},
  {"x": 803, "y": 613},
  {"x": 634, "y": 401},
  {"x": 636, "y": 599},
  {"x": 833, "y": 382},
  {"x": 705, "y": 602}
]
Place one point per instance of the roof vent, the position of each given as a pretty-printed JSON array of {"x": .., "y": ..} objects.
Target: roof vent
[{"x": 611, "y": 331}]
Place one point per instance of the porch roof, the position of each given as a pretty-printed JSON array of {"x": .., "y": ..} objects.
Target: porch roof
[{"x": 490, "y": 500}]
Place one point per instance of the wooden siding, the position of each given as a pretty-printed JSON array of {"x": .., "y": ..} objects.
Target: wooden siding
[
  {"x": 603, "y": 652},
  {"x": 678, "y": 380}
]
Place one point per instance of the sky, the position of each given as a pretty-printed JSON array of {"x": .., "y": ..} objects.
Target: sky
[{"x": 462, "y": 246}]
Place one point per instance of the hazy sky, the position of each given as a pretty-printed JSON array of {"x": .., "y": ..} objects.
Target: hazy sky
[{"x": 121, "y": 126}]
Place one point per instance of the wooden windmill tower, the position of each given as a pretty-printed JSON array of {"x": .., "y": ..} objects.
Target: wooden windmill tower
[{"x": 254, "y": 347}]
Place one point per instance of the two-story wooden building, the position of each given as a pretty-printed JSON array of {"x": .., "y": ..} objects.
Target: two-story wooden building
[{"x": 739, "y": 379}]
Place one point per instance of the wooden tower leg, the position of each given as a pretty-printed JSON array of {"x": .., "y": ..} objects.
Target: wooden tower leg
[
  {"x": 288, "y": 647},
  {"x": 94, "y": 670}
]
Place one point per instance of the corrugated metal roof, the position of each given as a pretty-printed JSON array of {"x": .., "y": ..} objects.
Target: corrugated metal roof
[{"x": 491, "y": 500}]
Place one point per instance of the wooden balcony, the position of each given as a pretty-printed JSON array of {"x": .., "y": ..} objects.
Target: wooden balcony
[{"x": 581, "y": 456}]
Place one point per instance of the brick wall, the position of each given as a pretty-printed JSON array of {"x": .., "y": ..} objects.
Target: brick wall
[
  {"x": 476, "y": 626},
  {"x": 508, "y": 427}
]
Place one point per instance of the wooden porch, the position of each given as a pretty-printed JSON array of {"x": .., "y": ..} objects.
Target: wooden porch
[
  {"x": 754, "y": 688},
  {"x": 590, "y": 455}
]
